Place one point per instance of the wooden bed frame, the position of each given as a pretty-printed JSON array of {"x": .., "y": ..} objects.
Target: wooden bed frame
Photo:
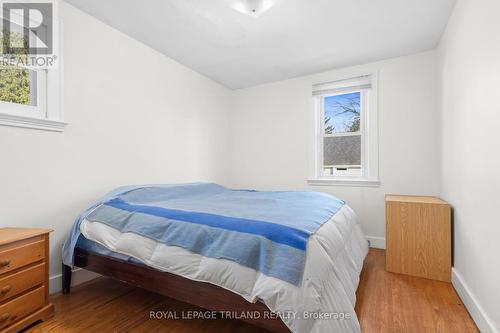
[{"x": 200, "y": 294}]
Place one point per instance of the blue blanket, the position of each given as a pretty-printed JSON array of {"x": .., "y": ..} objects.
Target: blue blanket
[{"x": 265, "y": 231}]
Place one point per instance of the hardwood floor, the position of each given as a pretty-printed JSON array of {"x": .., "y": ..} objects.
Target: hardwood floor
[
  {"x": 387, "y": 302},
  {"x": 390, "y": 302}
]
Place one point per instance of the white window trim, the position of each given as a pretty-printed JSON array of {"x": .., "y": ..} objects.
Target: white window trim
[
  {"x": 369, "y": 146},
  {"x": 48, "y": 115}
]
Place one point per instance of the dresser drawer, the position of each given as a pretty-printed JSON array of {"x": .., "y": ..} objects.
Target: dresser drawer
[
  {"x": 18, "y": 256},
  {"x": 16, "y": 283},
  {"x": 21, "y": 307}
]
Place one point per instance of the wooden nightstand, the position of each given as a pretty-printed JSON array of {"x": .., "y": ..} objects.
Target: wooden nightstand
[
  {"x": 24, "y": 278},
  {"x": 418, "y": 236}
]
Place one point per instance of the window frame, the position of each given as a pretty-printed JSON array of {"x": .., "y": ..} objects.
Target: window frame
[
  {"x": 368, "y": 175},
  {"x": 48, "y": 113}
]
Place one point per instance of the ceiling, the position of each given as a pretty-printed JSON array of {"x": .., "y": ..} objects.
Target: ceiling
[{"x": 293, "y": 38}]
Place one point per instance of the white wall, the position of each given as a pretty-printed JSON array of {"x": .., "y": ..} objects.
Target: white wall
[
  {"x": 470, "y": 55},
  {"x": 270, "y": 135},
  {"x": 135, "y": 116}
]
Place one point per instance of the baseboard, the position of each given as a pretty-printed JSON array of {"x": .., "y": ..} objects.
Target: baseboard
[
  {"x": 79, "y": 276},
  {"x": 477, "y": 313},
  {"x": 376, "y": 242}
]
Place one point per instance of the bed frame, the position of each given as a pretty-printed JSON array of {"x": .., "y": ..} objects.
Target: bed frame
[{"x": 200, "y": 294}]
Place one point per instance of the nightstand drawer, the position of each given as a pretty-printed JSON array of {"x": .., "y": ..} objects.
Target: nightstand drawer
[
  {"x": 18, "y": 256},
  {"x": 16, "y": 283},
  {"x": 21, "y": 307}
]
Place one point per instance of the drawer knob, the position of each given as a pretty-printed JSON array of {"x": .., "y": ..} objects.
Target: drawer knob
[
  {"x": 4, "y": 262},
  {"x": 5, "y": 290},
  {"x": 4, "y": 317}
]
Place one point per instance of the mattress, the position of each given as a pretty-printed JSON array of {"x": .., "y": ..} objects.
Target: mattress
[{"x": 322, "y": 303}]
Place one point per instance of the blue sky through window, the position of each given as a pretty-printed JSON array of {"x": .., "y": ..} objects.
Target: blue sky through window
[{"x": 343, "y": 112}]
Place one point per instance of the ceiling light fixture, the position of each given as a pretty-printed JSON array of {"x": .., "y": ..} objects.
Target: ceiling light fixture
[{"x": 253, "y": 8}]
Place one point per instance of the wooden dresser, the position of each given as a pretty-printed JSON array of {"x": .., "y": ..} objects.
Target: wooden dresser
[
  {"x": 24, "y": 272},
  {"x": 418, "y": 236}
]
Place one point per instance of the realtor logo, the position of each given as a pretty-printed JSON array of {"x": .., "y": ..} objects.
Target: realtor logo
[{"x": 28, "y": 33}]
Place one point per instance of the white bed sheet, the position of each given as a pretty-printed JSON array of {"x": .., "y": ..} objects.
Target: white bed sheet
[{"x": 334, "y": 260}]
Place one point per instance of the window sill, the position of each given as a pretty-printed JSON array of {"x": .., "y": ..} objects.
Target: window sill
[
  {"x": 34, "y": 123},
  {"x": 344, "y": 182}
]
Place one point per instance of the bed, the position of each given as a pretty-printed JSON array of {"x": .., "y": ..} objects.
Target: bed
[{"x": 285, "y": 261}]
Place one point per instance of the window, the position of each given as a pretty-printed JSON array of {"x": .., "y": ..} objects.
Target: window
[
  {"x": 345, "y": 148},
  {"x": 22, "y": 91},
  {"x": 29, "y": 96}
]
